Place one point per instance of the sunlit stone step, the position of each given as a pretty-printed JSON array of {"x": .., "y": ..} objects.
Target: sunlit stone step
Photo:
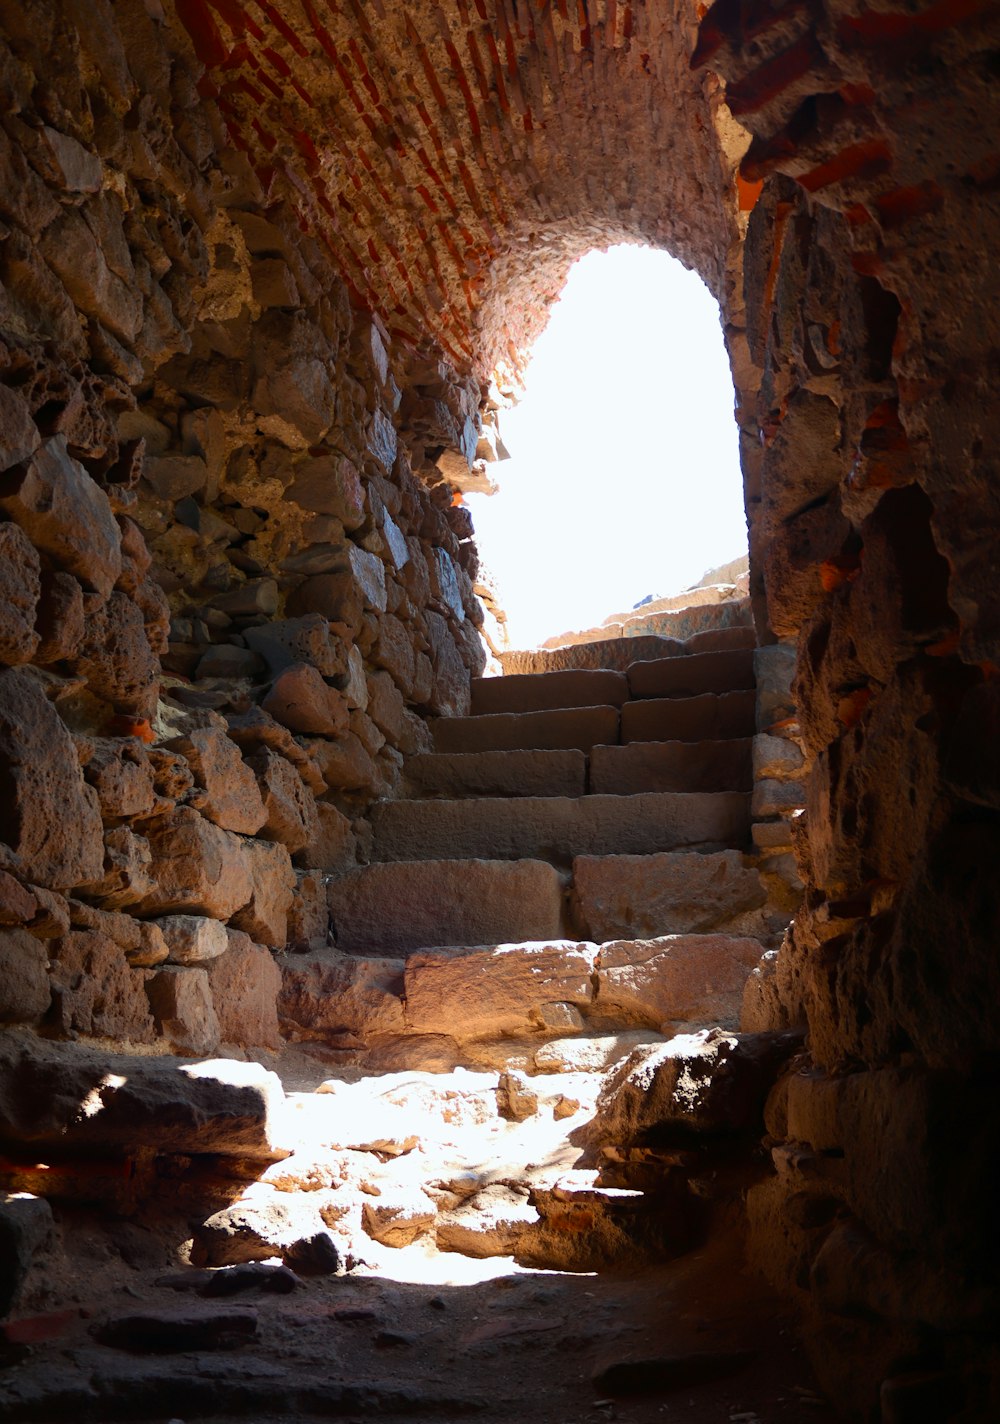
[
  {"x": 538, "y": 692},
  {"x": 573, "y": 727},
  {"x": 505, "y": 773},
  {"x": 672, "y": 766},
  {"x": 637, "y": 896}
]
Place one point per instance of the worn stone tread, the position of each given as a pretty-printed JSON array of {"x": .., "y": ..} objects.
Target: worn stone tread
[
  {"x": 559, "y": 772},
  {"x": 669, "y": 893},
  {"x": 724, "y": 765},
  {"x": 548, "y": 691},
  {"x": 712, "y": 716},
  {"x": 572, "y": 727},
  {"x": 693, "y": 674}
]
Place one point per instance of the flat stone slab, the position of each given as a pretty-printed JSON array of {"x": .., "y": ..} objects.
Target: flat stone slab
[
  {"x": 556, "y": 828},
  {"x": 633, "y": 896},
  {"x": 692, "y": 675},
  {"x": 67, "y": 1096},
  {"x": 502, "y": 990},
  {"x": 409, "y": 903},
  {"x": 672, "y": 766},
  {"x": 539, "y": 692},
  {"x": 674, "y": 980},
  {"x": 579, "y": 727},
  {"x": 512, "y": 773},
  {"x": 710, "y": 717},
  {"x": 614, "y": 653}
]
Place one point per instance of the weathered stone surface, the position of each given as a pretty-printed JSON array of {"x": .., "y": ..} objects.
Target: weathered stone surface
[
  {"x": 173, "y": 476},
  {"x": 193, "y": 939},
  {"x": 259, "y": 1229},
  {"x": 399, "y": 1218},
  {"x": 24, "y": 979},
  {"x": 116, "y": 658},
  {"x": 19, "y": 437},
  {"x": 396, "y": 907},
  {"x": 308, "y": 914},
  {"x": 60, "y": 620},
  {"x": 558, "y": 828},
  {"x": 332, "y": 845},
  {"x": 493, "y": 1222},
  {"x": 774, "y": 669},
  {"x": 20, "y": 590},
  {"x": 52, "y": 823},
  {"x": 126, "y": 876},
  {"x": 672, "y": 766},
  {"x": 286, "y": 642},
  {"x": 289, "y": 808},
  {"x": 777, "y": 798},
  {"x": 264, "y": 917},
  {"x": 142, "y": 940},
  {"x": 580, "y": 727},
  {"x": 197, "y": 867},
  {"x": 181, "y": 1001},
  {"x": 245, "y": 982},
  {"x": 636, "y": 896},
  {"x": 692, "y": 675},
  {"x": 689, "y": 719},
  {"x": 330, "y": 995},
  {"x": 122, "y": 774},
  {"x": 513, "y": 773},
  {"x": 301, "y": 701},
  {"x": 541, "y": 692},
  {"x": 329, "y": 484},
  {"x": 776, "y": 757},
  {"x": 65, "y": 514},
  {"x": 499, "y": 991},
  {"x": 26, "y": 1228},
  {"x": 345, "y": 764},
  {"x": 221, "y": 1106},
  {"x": 95, "y": 991},
  {"x": 387, "y": 709},
  {"x": 675, "y": 979},
  {"x": 515, "y": 1100},
  {"x": 231, "y": 799}
]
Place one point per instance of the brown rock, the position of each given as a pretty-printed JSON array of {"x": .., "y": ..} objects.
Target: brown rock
[
  {"x": 181, "y": 1001},
  {"x": 675, "y": 979},
  {"x": 20, "y": 590},
  {"x": 52, "y": 818},
  {"x": 116, "y": 659},
  {"x": 516, "y": 773},
  {"x": 289, "y": 808},
  {"x": 141, "y": 940},
  {"x": 308, "y": 914},
  {"x": 332, "y": 844},
  {"x": 256, "y": 728},
  {"x": 394, "y": 652},
  {"x": 329, "y": 484},
  {"x": 196, "y": 867},
  {"x": 24, "y": 980},
  {"x": 515, "y": 1100},
  {"x": 193, "y": 939},
  {"x": 450, "y": 688},
  {"x": 78, "y": 259},
  {"x": 639, "y": 896},
  {"x": 126, "y": 876},
  {"x": 689, "y": 719},
  {"x": 265, "y": 915},
  {"x": 692, "y": 675},
  {"x": 496, "y": 992},
  {"x": 95, "y": 991},
  {"x": 231, "y": 799},
  {"x": 245, "y": 983},
  {"x": 288, "y": 641},
  {"x": 257, "y": 1230},
  {"x": 121, "y": 773},
  {"x": 61, "y": 621},
  {"x": 541, "y": 692},
  {"x": 18, "y": 906},
  {"x": 300, "y": 700},
  {"x": 66, "y": 515},
  {"x": 19, "y": 437},
  {"x": 328, "y": 995},
  {"x": 579, "y": 727},
  {"x": 175, "y": 476},
  {"x": 336, "y": 596}
]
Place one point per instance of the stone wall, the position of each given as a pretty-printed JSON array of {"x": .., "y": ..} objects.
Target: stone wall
[{"x": 233, "y": 582}]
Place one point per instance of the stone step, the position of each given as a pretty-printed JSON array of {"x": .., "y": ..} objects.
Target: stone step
[
  {"x": 557, "y": 828},
  {"x": 400, "y": 905},
  {"x": 512, "y": 773},
  {"x": 573, "y": 727},
  {"x": 710, "y": 717},
  {"x": 692, "y": 675},
  {"x": 620, "y": 653},
  {"x": 548, "y": 691},
  {"x": 670, "y": 893},
  {"x": 672, "y": 766}
]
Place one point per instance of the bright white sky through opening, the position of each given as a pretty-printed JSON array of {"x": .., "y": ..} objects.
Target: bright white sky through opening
[{"x": 624, "y": 478}]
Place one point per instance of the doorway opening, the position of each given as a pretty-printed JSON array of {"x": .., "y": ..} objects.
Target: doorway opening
[{"x": 624, "y": 481}]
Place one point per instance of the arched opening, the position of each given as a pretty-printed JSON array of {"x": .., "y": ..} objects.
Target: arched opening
[{"x": 624, "y": 483}]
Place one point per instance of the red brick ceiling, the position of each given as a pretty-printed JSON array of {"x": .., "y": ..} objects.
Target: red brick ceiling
[{"x": 457, "y": 156}]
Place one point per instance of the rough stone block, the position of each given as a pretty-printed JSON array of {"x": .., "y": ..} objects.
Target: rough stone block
[
  {"x": 329, "y": 484},
  {"x": 776, "y": 757},
  {"x": 301, "y": 701},
  {"x": 26, "y": 1227},
  {"x": 674, "y": 980},
  {"x": 116, "y": 657},
  {"x": 265, "y": 915},
  {"x": 557, "y": 828},
  {"x": 289, "y": 808},
  {"x": 245, "y": 982},
  {"x": 287, "y": 642},
  {"x": 231, "y": 798},
  {"x": 181, "y": 1001},
  {"x": 774, "y": 669},
  {"x": 196, "y": 866},
  {"x": 635, "y": 896},
  {"x": 405, "y": 905},
  {"x": 540, "y": 692},
  {"x": 20, "y": 591},
  {"x": 577, "y": 727},
  {"x": 514, "y": 773},
  {"x": 24, "y": 978},
  {"x": 709, "y": 717},
  {"x": 671, "y": 766},
  {"x": 331, "y": 845},
  {"x": 777, "y": 798},
  {"x": 95, "y": 991},
  {"x": 692, "y": 675},
  {"x": 329, "y": 995},
  {"x": 496, "y": 992},
  {"x": 193, "y": 939}
]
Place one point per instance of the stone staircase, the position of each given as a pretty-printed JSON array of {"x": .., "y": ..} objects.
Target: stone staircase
[{"x": 566, "y": 897}]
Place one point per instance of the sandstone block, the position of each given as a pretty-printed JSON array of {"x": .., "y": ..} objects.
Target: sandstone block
[
  {"x": 671, "y": 766},
  {"x": 193, "y": 939},
  {"x": 286, "y": 642},
  {"x": 20, "y": 591},
  {"x": 66, "y": 515},
  {"x": 24, "y": 977},
  {"x": 265, "y": 915},
  {"x": 245, "y": 982},
  {"x": 711, "y": 716},
  {"x": 774, "y": 669},
  {"x": 181, "y": 1001},
  {"x": 116, "y": 658},
  {"x": 126, "y": 877},
  {"x": 289, "y": 808},
  {"x": 494, "y": 1222},
  {"x": 332, "y": 845},
  {"x": 635, "y": 896},
  {"x": 496, "y": 992},
  {"x": 175, "y": 476},
  {"x": 692, "y": 675},
  {"x": 217, "y": 1107},
  {"x": 196, "y": 866},
  {"x": 674, "y": 980},
  {"x": 231, "y": 798},
  {"x": 95, "y": 991},
  {"x": 397, "y": 907},
  {"x": 142, "y": 940},
  {"x": 540, "y": 692},
  {"x": 121, "y": 773},
  {"x": 720, "y": 640},
  {"x": 345, "y": 764},
  {"x": 776, "y": 757},
  {"x": 577, "y": 727},
  {"x": 450, "y": 677},
  {"x": 301, "y": 701},
  {"x": 514, "y": 773},
  {"x": 60, "y": 620},
  {"x": 329, "y": 484},
  {"x": 329, "y": 995},
  {"x": 336, "y": 596},
  {"x": 558, "y": 828},
  {"x": 777, "y": 798},
  {"x": 51, "y": 818},
  {"x": 308, "y": 914}
]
